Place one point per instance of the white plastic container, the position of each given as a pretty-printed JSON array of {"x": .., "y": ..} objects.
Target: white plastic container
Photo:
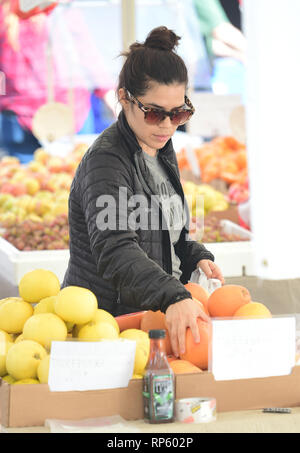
[
  {"x": 15, "y": 263},
  {"x": 235, "y": 259}
]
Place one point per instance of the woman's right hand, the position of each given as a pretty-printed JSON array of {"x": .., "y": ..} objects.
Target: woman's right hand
[{"x": 179, "y": 316}]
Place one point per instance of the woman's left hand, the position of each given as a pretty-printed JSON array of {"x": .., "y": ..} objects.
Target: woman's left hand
[{"x": 211, "y": 270}]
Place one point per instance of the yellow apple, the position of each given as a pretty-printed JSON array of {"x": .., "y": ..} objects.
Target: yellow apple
[
  {"x": 35, "y": 166},
  {"x": 19, "y": 176},
  {"x": 43, "y": 370},
  {"x": 38, "y": 284},
  {"x": 140, "y": 359},
  {"x": 13, "y": 315},
  {"x": 8, "y": 219},
  {"x": 76, "y": 304},
  {"x": 40, "y": 155},
  {"x": 32, "y": 185},
  {"x": 8, "y": 379},
  {"x": 142, "y": 348},
  {"x": 19, "y": 338},
  {"x": 45, "y": 305},
  {"x": 95, "y": 331},
  {"x": 5, "y": 344},
  {"x": 9, "y": 298},
  {"x": 61, "y": 207},
  {"x": 26, "y": 381},
  {"x": 44, "y": 328},
  {"x": 100, "y": 316},
  {"x": 5, "y": 197},
  {"x": 23, "y": 359}
]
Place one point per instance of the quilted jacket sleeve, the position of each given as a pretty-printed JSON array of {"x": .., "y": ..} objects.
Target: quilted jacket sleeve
[
  {"x": 114, "y": 246},
  {"x": 194, "y": 253}
]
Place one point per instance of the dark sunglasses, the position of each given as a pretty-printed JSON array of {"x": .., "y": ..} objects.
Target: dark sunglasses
[{"x": 155, "y": 116}]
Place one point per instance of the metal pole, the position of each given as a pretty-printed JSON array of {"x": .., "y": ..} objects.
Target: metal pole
[{"x": 128, "y": 23}]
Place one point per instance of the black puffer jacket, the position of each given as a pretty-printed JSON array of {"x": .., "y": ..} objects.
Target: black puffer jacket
[{"x": 127, "y": 269}]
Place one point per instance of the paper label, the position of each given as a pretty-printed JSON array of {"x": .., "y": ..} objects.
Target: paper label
[
  {"x": 78, "y": 365},
  {"x": 253, "y": 348}
]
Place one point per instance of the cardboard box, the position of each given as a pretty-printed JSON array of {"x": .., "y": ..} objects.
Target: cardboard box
[{"x": 31, "y": 405}]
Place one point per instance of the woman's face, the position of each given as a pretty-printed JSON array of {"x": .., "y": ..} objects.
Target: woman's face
[{"x": 167, "y": 97}]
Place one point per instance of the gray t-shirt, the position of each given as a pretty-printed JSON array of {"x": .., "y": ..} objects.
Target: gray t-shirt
[{"x": 172, "y": 206}]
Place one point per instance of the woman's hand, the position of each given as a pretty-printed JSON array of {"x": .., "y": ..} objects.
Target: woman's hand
[
  {"x": 211, "y": 270},
  {"x": 179, "y": 316}
]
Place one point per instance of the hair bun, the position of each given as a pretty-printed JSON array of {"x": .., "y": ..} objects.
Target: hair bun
[{"x": 162, "y": 38}]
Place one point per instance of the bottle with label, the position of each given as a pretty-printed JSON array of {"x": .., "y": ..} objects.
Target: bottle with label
[{"x": 158, "y": 382}]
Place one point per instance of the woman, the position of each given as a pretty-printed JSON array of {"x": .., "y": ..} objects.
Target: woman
[{"x": 139, "y": 259}]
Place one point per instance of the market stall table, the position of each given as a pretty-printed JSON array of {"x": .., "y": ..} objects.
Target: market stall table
[{"x": 252, "y": 421}]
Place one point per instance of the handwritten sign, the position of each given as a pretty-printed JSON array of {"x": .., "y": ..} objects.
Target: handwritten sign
[
  {"x": 97, "y": 365},
  {"x": 252, "y": 348}
]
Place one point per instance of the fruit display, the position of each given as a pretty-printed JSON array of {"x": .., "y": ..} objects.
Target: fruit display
[
  {"x": 203, "y": 198},
  {"x": 32, "y": 234},
  {"x": 229, "y": 301},
  {"x": 221, "y": 158},
  {"x": 37, "y": 191},
  {"x": 43, "y": 313},
  {"x": 210, "y": 230},
  {"x": 239, "y": 192},
  {"x": 34, "y": 200}
]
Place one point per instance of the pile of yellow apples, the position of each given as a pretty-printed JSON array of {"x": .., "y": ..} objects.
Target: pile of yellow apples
[
  {"x": 42, "y": 313},
  {"x": 203, "y": 198},
  {"x": 37, "y": 190}
]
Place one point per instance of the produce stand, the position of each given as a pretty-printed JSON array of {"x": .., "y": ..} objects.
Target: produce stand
[
  {"x": 235, "y": 259},
  {"x": 239, "y": 401}
]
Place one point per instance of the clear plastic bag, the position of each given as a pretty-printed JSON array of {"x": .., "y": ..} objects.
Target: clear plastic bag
[
  {"x": 110, "y": 424},
  {"x": 210, "y": 284}
]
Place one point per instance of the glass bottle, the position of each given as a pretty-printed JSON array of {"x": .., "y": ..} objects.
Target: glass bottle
[{"x": 158, "y": 382}]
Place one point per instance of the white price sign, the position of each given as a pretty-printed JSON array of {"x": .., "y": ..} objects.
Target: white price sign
[
  {"x": 90, "y": 365},
  {"x": 253, "y": 348}
]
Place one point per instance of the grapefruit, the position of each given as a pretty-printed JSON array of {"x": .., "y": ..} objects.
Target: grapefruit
[{"x": 225, "y": 301}]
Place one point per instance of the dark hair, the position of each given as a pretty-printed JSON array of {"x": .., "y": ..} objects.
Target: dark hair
[{"x": 154, "y": 60}]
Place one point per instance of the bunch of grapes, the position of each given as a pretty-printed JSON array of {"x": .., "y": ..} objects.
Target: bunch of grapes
[
  {"x": 35, "y": 235},
  {"x": 212, "y": 231}
]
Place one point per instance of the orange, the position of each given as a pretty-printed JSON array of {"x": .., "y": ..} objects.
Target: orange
[
  {"x": 199, "y": 293},
  {"x": 229, "y": 166},
  {"x": 197, "y": 353},
  {"x": 156, "y": 320},
  {"x": 225, "y": 301},
  {"x": 253, "y": 310},
  {"x": 241, "y": 159},
  {"x": 183, "y": 366},
  {"x": 130, "y": 320}
]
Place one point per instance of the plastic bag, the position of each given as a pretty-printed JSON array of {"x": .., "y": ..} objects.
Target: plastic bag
[
  {"x": 209, "y": 284},
  {"x": 111, "y": 424}
]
